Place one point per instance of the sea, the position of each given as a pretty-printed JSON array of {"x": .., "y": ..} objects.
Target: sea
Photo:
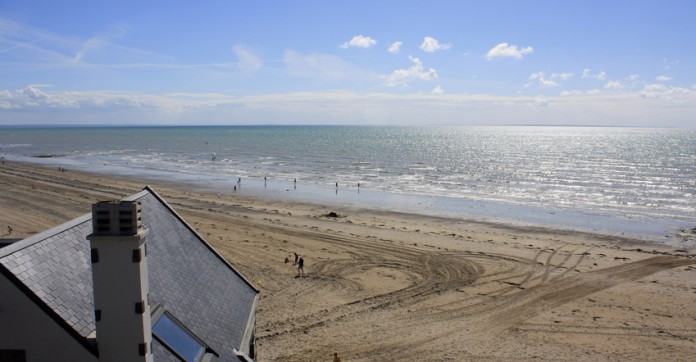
[{"x": 633, "y": 182}]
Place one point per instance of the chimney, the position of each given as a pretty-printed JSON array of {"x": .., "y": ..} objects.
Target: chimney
[{"x": 120, "y": 282}]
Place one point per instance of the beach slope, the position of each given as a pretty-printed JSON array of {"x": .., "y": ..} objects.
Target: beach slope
[{"x": 392, "y": 286}]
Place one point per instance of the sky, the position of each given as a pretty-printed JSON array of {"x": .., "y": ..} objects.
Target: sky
[{"x": 603, "y": 63}]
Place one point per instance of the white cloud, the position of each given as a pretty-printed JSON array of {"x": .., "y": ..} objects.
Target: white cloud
[
  {"x": 665, "y": 92},
  {"x": 91, "y": 45},
  {"x": 654, "y": 89},
  {"x": 431, "y": 45},
  {"x": 613, "y": 85},
  {"x": 438, "y": 90},
  {"x": 587, "y": 73},
  {"x": 663, "y": 78},
  {"x": 32, "y": 96},
  {"x": 319, "y": 66},
  {"x": 571, "y": 93},
  {"x": 41, "y": 49},
  {"x": 562, "y": 76},
  {"x": 541, "y": 101},
  {"x": 395, "y": 47},
  {"x": 247, "y": 61},
  {"x": 548, "y": 82},
  {"x": 359, "y": 41},
  {"x": 543, "y": 81},
  {"x": 99, "y": 42},
  {"x": 507, "y": 50},
  {"x": 416, "y": 72},
  {"x": 32, "y": 92}
]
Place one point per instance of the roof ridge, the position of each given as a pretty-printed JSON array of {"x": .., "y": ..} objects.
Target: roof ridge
[
  {"x": 36, "y": 238},
  {"x": 198, "y": 236}
]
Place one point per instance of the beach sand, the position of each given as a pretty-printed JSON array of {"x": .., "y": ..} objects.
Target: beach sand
[{"x": 383, "y": 286}]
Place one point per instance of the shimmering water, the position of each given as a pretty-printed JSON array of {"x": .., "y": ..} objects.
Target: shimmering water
[{"x": 643, "y": 179}]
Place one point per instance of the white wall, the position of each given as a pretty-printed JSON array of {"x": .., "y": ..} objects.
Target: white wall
[
  {"x": 23, "y": 325},
  {"x": 118, "y": 284}
]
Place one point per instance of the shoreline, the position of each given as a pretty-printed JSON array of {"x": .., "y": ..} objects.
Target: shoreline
[
  {"x": 384, "y": 285},
  {"x": 651, "y": 230}
]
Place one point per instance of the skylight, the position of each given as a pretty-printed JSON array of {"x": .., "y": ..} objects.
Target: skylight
[{"x": 169, "y": 331}]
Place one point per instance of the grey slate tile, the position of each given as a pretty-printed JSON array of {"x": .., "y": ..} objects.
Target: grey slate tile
[{"x": 190, "y": 280}]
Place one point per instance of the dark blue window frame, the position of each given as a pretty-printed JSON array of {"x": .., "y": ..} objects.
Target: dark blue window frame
[{"x": 178, "y": 338}]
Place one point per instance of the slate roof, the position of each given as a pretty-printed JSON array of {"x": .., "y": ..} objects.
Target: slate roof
[
  {"x": 186, "y": 276},
  {"x": 162, "y": 353},
  {"x": 55, "y": 266}
]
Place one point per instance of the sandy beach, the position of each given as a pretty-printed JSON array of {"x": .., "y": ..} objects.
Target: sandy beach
[{"x": 385, "y": 286}]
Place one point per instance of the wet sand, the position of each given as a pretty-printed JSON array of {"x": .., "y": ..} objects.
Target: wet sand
[{"x": 382, "y": 286}]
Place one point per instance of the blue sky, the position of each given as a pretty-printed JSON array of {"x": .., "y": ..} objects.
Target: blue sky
[{"x": 621, "y": 63}]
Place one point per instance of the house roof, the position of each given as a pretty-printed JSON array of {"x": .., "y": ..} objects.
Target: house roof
[{"x": 186, "y": 276}]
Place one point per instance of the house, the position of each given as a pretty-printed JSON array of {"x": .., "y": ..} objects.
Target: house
[{"x": 131, "y": 281}]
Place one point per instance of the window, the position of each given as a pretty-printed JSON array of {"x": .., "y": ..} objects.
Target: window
[{"x": 169, "y": 331}]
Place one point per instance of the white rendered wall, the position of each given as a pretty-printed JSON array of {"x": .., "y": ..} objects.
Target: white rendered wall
[
  {"x": 119, "y": 283},
  {"x": 24, "y": 326}
]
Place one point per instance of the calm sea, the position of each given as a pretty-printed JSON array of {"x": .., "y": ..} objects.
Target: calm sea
[{"x": 634, "y": 181}]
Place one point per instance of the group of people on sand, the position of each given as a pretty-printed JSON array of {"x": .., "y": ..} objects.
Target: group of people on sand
[{"x": 299, "y": 261}]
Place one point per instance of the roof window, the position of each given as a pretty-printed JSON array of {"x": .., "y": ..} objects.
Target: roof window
[{"x": 178, "y": 338}]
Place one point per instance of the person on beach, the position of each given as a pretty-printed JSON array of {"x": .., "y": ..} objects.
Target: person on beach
[
  {"x": 336, "y": 357},
  {"x": 9, "y": 230},
  {"x": 300, "y": 267},
  {"x": 295, "y": 263}
]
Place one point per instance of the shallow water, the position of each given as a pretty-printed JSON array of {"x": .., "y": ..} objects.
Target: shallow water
[{"x": 633, "y": 181}]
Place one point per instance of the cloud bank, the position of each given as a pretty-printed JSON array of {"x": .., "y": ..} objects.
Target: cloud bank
[{"x": 33, "y": 103}]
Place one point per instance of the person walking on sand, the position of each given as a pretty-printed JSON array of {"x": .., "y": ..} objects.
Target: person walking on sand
[
  {"x": 300, "y": 267},
  {"x": 9, "y": 230},
  {"x": 295, "y": 263},
  {"x": 336, "y": 357}
]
